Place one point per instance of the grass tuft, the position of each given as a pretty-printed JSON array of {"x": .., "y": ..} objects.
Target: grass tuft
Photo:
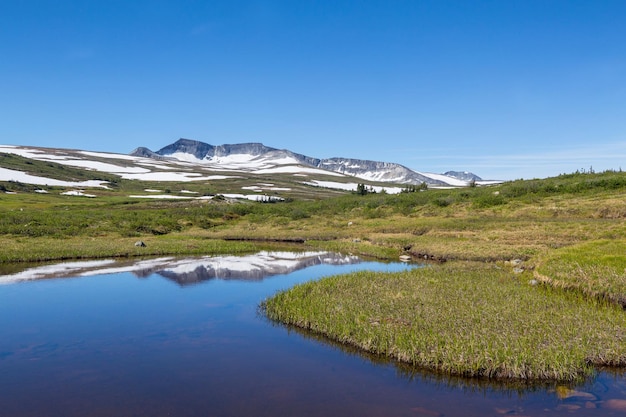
[{"x": 597, "y": 269}]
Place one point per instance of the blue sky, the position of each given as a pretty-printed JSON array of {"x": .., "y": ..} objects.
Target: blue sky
[{"x": 505, "y": 89}]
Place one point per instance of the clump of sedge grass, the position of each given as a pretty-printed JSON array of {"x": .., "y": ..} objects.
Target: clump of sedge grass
[
  {"x": 462, "y": 319},
  {"x": 598, "y": 269}
]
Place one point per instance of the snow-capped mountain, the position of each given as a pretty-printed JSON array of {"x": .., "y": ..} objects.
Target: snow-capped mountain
[
  {"x": 378, "y": 171},
  {"x": 249, "y": 156},
  {"x": 463, "y": 175},
  {"x": 238, "y": 153},
  {"x": 250, "y": 171}
]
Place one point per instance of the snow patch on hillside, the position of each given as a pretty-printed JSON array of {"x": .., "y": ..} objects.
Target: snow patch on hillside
[
  {"x": 379, "y": 177},
  {"x": 163, "y": 197},
  {"x": 351, "y": 186},
  {"x": 78, "y": 193},
  {"x": 105, "y": 167},
  {"x": 32, "y": 153},
  {"x": 291, "y": 169},
  {"x": 109, "y": 155},
  {"x": 19, "y": 176},
  {"x": 449, "y": 180},
  {"x": 233, "y": 160}
]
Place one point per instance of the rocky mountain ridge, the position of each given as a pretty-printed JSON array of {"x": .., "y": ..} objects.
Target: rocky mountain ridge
[{"x": 254, "y": 152}]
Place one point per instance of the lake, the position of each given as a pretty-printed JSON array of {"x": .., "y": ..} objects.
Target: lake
[{"x": 184, "y": 337}]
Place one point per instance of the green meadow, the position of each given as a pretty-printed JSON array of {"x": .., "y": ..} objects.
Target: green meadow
[{"x": 524, "y": 280}]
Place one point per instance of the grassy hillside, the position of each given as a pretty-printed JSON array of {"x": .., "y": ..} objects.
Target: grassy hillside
[
  {"x": 520, "y": 219},
  {"x": 286, "y": 185}
]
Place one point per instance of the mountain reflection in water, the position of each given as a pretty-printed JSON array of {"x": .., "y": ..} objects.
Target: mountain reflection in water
[
  {"x": 193, "y": 270},
  {"x": 249, "y": 268}
]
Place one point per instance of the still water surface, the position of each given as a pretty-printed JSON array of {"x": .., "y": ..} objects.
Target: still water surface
[{"x": 174, "y": 337}]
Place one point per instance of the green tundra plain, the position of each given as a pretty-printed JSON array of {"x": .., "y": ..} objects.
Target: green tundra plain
[{"x": 524, "y": 280}]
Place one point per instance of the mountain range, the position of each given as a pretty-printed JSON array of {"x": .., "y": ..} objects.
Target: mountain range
[
  {"x": 190, "y": 169},
  {"x": 257, "y": 155}
]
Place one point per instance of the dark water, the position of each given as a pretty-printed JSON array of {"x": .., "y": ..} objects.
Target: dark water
[{"x": 189, "y": 341}]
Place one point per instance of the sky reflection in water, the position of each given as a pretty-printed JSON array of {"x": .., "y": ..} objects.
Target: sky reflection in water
[{"x": 149, "y": 342}]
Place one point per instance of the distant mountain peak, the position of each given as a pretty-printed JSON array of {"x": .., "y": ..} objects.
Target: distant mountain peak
[
  {"x": 145, "y": 153},
  {"x": 202, "y": 150},
  {"x": 463, "y": 175},
  {"x": 189, "y": 146},
  {"x": 377, "y": 171},
  {"x": 257, "y": 155}
]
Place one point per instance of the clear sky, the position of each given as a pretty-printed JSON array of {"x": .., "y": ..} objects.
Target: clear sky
[{"x": 506, "y": 89}]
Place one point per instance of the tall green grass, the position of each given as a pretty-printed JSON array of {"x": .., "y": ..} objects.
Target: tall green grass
[
  {"x": 596, "y": 268},
  {"x": 518, "y": 219},
  {"x": 462, "y": 319}
]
